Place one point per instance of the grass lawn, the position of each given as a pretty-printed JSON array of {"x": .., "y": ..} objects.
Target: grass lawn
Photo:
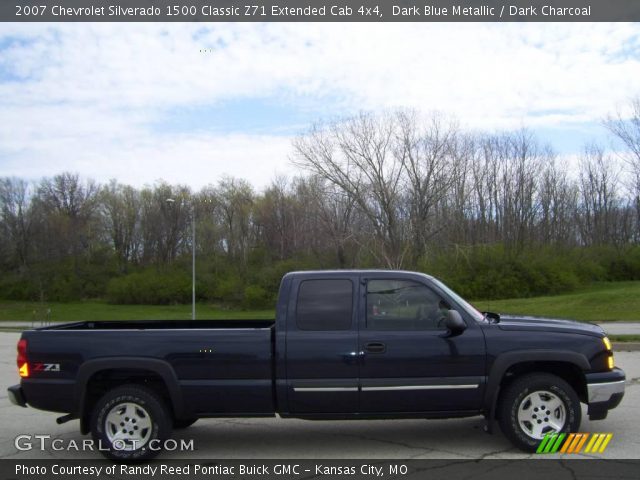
[{"x": 599, "y": 302}]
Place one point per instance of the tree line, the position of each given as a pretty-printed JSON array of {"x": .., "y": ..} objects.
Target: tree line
[{"x": 494, "y": 214}]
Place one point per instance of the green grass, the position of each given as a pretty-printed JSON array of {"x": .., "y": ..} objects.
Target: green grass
[
  {"x": 600, "y": 302},
  {"x": 624, "y": 338},
  {"x": 94, "y": 310}
]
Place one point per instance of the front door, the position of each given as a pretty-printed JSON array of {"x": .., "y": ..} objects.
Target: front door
[{"x": 409, "y": 363}]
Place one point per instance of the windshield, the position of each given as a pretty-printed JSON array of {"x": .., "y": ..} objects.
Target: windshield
[{"x": 473, "y": 311}]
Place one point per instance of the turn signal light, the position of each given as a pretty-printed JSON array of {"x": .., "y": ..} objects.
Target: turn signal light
[
  {"x": 23, "y": 363},
  {"x": 607, "y": 346}
]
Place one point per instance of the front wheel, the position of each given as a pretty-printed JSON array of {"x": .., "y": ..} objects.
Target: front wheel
[
  {"x": 129, "y": 423},
  {"x": 535, "y": 405}
]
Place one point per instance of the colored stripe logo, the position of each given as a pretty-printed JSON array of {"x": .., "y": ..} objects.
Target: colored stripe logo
[{"x": 574, "y": 443}]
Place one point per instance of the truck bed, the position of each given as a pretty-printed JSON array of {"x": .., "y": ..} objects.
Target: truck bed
[{"x": 206, "y": 356}]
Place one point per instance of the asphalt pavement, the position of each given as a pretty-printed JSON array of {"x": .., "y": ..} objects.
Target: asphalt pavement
[
  {"x": 267, "y": 438},
  {"x": 621, "y": 328}
]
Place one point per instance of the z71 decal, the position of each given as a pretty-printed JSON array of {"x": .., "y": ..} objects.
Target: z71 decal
[{"x": 46, "y": 367}]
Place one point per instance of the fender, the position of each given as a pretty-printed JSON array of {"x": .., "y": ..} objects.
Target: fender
[
  {"x": 159, "y": 367},
  {"x": 506, "y": 360}
]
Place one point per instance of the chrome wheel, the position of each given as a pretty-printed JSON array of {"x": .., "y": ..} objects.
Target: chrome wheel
[
  {"x": 128, "y": 426},
  {"x": 541, "y": 412}
]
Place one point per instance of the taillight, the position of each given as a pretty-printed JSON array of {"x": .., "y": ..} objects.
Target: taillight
[{"x": 23, "y": 362}]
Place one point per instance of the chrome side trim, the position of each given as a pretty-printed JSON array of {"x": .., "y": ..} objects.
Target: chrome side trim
[
  {"x": 419, "y": 387},
  {"x": 325, "y": 389},
  {"x": 385, "y": 388},
  {"x": 602, "y": 392}
]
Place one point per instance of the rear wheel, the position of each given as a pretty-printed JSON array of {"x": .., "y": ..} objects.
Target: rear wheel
[
  {"x": 535, "y": 405},
  {"x": 130, "y": 423}
]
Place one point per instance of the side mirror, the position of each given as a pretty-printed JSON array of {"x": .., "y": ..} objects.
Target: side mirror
[
  {"x": 454, "y": 323},
  {"x": 493, "y": 316}
]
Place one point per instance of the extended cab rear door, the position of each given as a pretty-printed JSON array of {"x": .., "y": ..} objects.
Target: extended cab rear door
[
  {"x": 409, "y": 363},
  {"x": 322, "y": 344}
]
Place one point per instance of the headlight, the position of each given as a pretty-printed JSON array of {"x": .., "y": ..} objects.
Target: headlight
[{"x": 607, "y": 343}]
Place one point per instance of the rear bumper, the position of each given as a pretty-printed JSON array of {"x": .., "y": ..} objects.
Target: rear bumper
[
  {"x": 16, "y": 396},
  {"x": 604, "y": 392},
  {"x": 44, "y": 394}
]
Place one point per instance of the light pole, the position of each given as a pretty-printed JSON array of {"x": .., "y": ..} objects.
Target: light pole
[{"x": 193, "y": 256}]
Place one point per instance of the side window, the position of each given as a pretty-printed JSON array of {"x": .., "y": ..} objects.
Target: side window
[
  {"x": 325, "y": 305},
  {"x": 404, "y": 305}
]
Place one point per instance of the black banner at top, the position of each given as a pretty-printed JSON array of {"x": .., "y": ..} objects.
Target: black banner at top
[{"x": 319, "y": 11}]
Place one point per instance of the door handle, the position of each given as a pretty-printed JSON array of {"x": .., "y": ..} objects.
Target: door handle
[
  {"x": 375, "y": 347},
  {"x": 351, "y": 357}
]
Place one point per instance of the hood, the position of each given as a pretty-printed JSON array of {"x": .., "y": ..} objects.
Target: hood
[{"x": 510, "y": 322}]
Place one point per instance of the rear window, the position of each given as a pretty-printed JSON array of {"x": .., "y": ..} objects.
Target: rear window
[{"x": 325, "y": 305}]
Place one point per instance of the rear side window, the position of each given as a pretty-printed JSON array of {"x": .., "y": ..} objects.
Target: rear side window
[{"x": 325, "y": 305}]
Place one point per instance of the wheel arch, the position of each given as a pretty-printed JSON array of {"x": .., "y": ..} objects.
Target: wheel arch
[
  {"x": 111, "y": 372},
  {"x": 570, "y": 366}
]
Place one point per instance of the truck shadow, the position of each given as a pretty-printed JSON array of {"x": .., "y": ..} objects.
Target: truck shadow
[{"x": 289, "y": 438}]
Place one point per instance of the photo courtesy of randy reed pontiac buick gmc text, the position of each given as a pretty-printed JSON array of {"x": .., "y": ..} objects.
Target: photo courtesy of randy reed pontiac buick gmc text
[{"x": 348, "y": 344}]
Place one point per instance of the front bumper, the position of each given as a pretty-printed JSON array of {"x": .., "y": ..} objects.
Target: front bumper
[
  {"x": 604, "y": 392},
  {"x": 16, "y": 396}
]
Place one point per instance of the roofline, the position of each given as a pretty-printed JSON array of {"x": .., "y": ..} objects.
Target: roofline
[{"x": 357, "y": 272}]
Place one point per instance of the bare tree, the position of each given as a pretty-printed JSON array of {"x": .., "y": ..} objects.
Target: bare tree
[
  {"x": 483, "y": 185},
  {"x": 69, "y": 206},
  {"x": 165, "y": 212},
  {"x": 627, "y": 129},
  {"x": 120, "y": 205},
  {"x": 432, "y": 163},
  {"x": 209, "y": 232},
  {"x": 277, "y": 216},
  {"x": 507, "y": 185},
  {"x": 356, "y": 155},
  {"x": 598, "y": 183},
  {"x": 16, "y": 219},
  {"x": 558, "y": 206},
  {"x": 234, "y": 208},
  {"x": 336, "y": 215}
]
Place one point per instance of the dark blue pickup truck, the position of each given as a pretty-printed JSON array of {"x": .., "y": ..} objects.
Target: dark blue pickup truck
[{"x": 353, "y": 344}]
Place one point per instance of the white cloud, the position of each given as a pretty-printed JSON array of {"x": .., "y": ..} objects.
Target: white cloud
[
  {"x": 192, "y": 159},
  {"x": 86, "y": 97}
]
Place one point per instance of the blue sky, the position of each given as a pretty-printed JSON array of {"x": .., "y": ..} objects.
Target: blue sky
[{"x": 189, "y": 103}]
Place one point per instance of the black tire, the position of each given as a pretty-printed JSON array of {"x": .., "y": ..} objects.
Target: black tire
[
  {"x": 183, "y": 423},
  {"x": 147, "y": 407},
  {"x": 540, "y": 386}
]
